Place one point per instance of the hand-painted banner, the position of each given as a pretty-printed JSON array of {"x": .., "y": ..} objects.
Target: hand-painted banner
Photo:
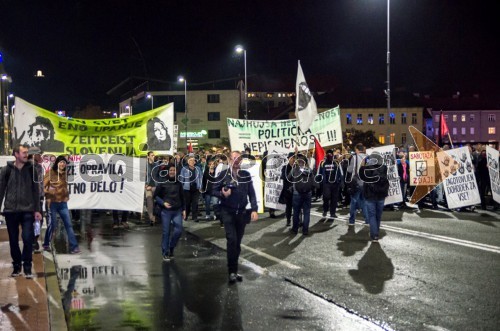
[
  {"x": 133, "y": 135},
  {"x": 284, "y": 133},
  {"x": 493, "y": 168},
  {"x": 276, "y": 159},
  {"x": 459, "y": 181},
  {"x": 254, "y": 170},
  {"x": 106, "y": 182},
  {"x": 422, "y": 170},
  {"x": 389, "y": 156}
]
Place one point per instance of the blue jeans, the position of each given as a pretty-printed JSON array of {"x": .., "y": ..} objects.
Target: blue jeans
[
  {"x": 13, "y": 221},
  {"x": 210, "y": 200},
  {"x": 60, "y": 208},
  {"x": 357, "y": 201},
  {"x": 374, "y": 209},
  {"x": 301, "y": 201},
  {"x": 169, "y": 217}
]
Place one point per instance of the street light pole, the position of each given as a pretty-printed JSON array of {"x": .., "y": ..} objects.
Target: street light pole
[
  {"x": 388, "y": 91},
  {"x": 183, "y": 80},
  {"x": 150, "y": 96},
  {"x": 240, "y": 49}
]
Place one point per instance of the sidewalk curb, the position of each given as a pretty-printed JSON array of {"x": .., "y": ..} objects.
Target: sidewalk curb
[{"x": 57, "y": 317}]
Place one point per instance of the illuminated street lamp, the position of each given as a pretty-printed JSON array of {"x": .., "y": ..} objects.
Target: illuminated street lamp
[
  {"x": 239, "y": 49},
  {"x": 181, "y": 79},
  {"x": 150, "y": 96}
]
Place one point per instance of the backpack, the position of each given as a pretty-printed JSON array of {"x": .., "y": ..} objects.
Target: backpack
[{"x": 381, "y": 187}]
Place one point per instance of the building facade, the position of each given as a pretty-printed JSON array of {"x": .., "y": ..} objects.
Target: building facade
[
  {"x": 388, "y": 127},
  {"x": 467, "y": 126},
  {"x": 204, "y": 119}
]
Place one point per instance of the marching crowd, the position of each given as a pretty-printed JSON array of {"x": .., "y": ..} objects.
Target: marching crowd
[{"x": 174, "y": 186}]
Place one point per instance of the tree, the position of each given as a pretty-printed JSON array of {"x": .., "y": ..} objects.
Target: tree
[{"x": 353, "y": 137}]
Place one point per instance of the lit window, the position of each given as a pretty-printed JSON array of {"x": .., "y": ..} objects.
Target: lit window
[
  {"x": 393, "y": 138},
  {"x": 370, "y": 118},
  {"x": 454, "y": 131},
  {"x": 269, "y": 95},
  {"x": 381, "y": 139},
  {"x": 380, "y": 118},
  {"x": 471, "y": 130},
  {"x": 403, "y": 118},
  {"x": 463, "y": 118},
  {"x": 454, "y": 118},
  {"x": 491, "y": 117},
  {"x": 349, "y": 118},
  {"x": 436, "y": 118},
  {"x": 463, "y": 131},
  {"x": 392, "y": 118},
  {"x": 491, "y": 130},
  {"x": 359, "y": 119}
]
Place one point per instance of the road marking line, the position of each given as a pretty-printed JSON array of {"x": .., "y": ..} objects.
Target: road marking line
[
  {"x": 460, "y": 242},
  {"x": 270, "y": 257}
]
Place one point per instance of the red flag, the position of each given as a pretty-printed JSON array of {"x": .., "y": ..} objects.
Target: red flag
[
  {"x": 319, "y": 152},
  {"x": 190, "y": 148},
  {"x": 443, "y": 127}
]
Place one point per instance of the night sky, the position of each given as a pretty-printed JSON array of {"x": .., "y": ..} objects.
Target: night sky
[{"x": 85, "y": 48}]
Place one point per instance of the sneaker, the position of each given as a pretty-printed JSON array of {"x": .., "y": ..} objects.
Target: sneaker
[
  {"x": 324, "y": 214},
  {"x": 232, "y": 278},
  {"x": 272, "y": 215},
  {"x": 46, "y": 248},
  {"x": 375, "y": 240},
  {"x": 208, "y": 217},
  {"x": 115, "y": 226},
  {"x": 334, "y": 216},
  {"x": 125, "y": 225},
  {"x": 76, "y": 251},
  {"x": 221, "y": 225},
  {"x": 351, "y": 224},
  {"x": 171, "y": 255},
  {"x": 28, "y": 275},
  {"x": 16, "y": 272},
  {"x": 288, "y": 223},
  {"x": 166, "y": 258},
  {"x": 239, "y": 277}
]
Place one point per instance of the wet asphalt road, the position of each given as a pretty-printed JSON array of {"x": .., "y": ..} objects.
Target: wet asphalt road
[
  {"x": 432, "y": 270},
  {"x": 120, "y": 282}
]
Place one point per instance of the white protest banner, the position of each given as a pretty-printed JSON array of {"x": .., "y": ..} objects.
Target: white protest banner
[
  {"x": 422, "y": 170},
  {"x": 284, "y": 133},
  {"x": 105, "y": 181},
  {"x": 276, "y": 159},
  {"x": 492, "y": 155},
  {"x": 458, "y": 178},
  {"x": 254, "y": 169},
  {"x": 389, "y": 156}
]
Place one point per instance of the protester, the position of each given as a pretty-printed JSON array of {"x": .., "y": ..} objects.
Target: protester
[
  {"x": 375, "y": 190},
  {"x": 286, "y": 196},
  {"x": 191, "y": 178},
  {"x": 169, "y": 196},
  {"x": 234, "y": 187},
  {"x": 331, "y": 178},
  {"x": 35, "y": 156},
  {"x": 355, "y": 184},
  {"x": 265, "y": 157},
  {"x": 404, "y": 176},
  {"x": 483, "y": 178},
  {"x": 150, "y": 185},
  {"x": 210, "y": 199},
  {"x": 21, "y": 208},
  {"x": 303, "y": 181},
  {"x": 55, "y": 185}
]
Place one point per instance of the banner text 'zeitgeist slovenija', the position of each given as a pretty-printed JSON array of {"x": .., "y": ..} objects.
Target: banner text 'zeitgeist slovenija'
[{"x": 133, "y": 135}]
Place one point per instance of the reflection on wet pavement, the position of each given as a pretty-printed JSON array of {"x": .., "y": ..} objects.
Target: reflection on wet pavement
[{"x": 120, "y": 282}]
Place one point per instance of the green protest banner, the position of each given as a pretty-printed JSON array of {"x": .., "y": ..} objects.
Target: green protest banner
[{"x": 132, "y": 136}]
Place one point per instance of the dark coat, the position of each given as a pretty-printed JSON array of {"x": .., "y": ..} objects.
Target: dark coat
[{"x": 19, "y": 188}]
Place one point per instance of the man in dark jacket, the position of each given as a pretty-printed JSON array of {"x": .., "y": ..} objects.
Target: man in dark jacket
[
  {"x": 19, "y": 187},
  {"x": 375, "y": 190},
  {"x": 234, "y": 188},
  {"x": 303, "y": 181},
  {"x": 286, "y": 195},
  {"x": 331, "y": 175}
]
